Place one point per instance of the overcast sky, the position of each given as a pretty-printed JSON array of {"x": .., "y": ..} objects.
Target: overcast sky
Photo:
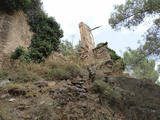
[{"x": 69, "y": 13}]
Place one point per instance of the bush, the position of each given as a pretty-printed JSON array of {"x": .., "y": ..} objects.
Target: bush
[
  {"x": 47, "y": 35},
  {"x": 47, "y": 32},
  {"x": 21, "y": 54},
  {"x": 66, "y": 48},
  {"x": 73, "y": 69},
  {"x": 58, "y": 74},
  {"x": 99, "y": 86},
  {"x": 14, "y": 5},
  {"x": 113, "y": 55},
  {"x": 18, "y": 52}
]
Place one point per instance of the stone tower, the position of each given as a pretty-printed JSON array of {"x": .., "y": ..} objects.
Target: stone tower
[{"x": 86, "y": 37}]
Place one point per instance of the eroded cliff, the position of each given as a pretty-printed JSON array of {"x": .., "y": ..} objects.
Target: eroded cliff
[{"x": 14, "y": 32}]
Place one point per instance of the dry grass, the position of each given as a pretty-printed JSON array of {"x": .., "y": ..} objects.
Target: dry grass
[{"x": 56, "y": 67}]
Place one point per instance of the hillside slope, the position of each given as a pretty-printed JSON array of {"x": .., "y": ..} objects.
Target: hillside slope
[{"x": 30, "y": 93}]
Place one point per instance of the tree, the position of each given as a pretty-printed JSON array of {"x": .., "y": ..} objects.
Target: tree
[
  {"x": 133, "y": 13},
  {"x": 47, "y": 31},
  {"x": 66, "y": 48},
  {"x": 77, "y": 48},
  {"x": 145, "y": 69},
  {"x": 10, "y": 6}
]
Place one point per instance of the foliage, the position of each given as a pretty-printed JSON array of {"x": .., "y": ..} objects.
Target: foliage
[
  {"x": 133, "y": 13},
  {"x": 18, "y": 52},
  {"x": 66, "y": 48},
  {"x": 24, "y": 76},
  {"x": 99, "y": 86},
  {"x": 47, "y": 32},
  {"x": 142, "y": 69},
  {"x": 21, "y": 54},
  {"x": 14, "y": 5},
  {"x": 19, "y": 76},
  {"x": 119, "y": 65},
  {"x": 113, "y": 54},
  {"x": 107, "y": 93},
  {"x": 73, "y": 69},
  {"x": 158, "y": 83},
  {"x": 47, "y": 37},
  {"x": 58, "y": 74},
  {"x": 119, "y": 62},
  {"x": 77, "y": 48},
  {"x": 64, "y": 72}
]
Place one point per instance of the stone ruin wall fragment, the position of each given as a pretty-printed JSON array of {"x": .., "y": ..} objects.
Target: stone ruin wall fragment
[{"x": 88, "y": 53}]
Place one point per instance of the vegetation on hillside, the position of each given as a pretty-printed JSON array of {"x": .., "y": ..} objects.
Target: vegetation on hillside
[
  {"x": 47, "y": 32},
  {"x": 10, "y": 6},
  {"x": 55, "y": 68},
  {"x": 129, "y": 15},
  {"x": 119, "y": 62},
  {"x": 144, "y": 69}
]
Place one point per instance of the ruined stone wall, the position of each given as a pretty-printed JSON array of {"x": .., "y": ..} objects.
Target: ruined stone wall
[
  {"x": 14, "y": 32},
  {"x": 88, "y": 53},
  {"x": 86, "y": 37}
]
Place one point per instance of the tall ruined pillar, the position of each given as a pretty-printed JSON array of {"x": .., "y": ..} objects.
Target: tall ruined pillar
[{"x": 86, "y": 37}]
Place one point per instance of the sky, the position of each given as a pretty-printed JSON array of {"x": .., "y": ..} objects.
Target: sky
[{"x": 69, "y": 13}]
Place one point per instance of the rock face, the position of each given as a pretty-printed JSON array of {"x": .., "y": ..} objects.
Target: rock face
[{"x": 14, "y": 32}]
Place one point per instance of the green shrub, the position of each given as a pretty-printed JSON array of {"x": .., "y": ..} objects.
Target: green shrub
[
  {"x": 18, "y": 52},
  {"x": 58, "y": 74},
  {"x": 47, "y": 32},
  {"x": 66, "y": 48},
  {"x": 14, "y": 5},
  {"x": 113, "y": 55},
  {"x": 47, "y": 35},
  {"x": 99, "y": 86},
  {"x": 21, "y": 54},
  {"x": 73, "y": 69}
]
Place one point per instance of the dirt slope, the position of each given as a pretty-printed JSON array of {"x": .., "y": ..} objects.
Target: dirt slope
[{"x": 112, "y": 98}]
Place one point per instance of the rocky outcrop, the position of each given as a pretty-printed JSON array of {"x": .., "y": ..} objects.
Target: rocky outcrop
[{"x": 14, "y": 32}]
